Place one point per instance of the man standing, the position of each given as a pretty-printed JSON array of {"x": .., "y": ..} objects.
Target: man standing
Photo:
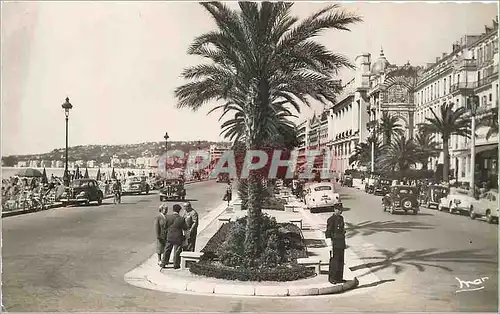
[
  {"x": 335, "y": 230},
  {"x": 161, "y": 230},
  {"x": 176, "y": 224},
  {"x": 191, "y": 217}
]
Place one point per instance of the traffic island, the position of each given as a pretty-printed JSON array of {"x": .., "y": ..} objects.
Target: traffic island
[{"x": 150, "y": 277}]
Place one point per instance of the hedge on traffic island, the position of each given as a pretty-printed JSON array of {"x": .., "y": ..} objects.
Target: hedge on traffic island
[{"x": 224, "y": 257}]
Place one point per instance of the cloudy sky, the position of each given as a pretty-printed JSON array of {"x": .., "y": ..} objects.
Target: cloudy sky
[{"x": 119, "y": 63}]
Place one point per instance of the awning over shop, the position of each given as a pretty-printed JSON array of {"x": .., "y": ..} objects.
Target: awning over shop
[{"x": 479, "y": 149}]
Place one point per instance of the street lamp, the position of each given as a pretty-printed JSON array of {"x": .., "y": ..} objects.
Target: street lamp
[
  {"x": 472, "y": 104},
  {"x": 66, "y": 106},
  {"x": 166, "y": 137}
]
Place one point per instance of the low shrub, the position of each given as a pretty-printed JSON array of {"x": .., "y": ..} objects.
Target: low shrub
[
  {"x": 288, "y": 272},
  {"x": 216, "y": 241},
  {"x": 274, "y": 203}
]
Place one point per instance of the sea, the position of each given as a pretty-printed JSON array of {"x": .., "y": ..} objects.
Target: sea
[{"x": 8, "y": 172}]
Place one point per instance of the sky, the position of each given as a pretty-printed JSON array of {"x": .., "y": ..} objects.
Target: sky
[{"x": 119, "y": 63}]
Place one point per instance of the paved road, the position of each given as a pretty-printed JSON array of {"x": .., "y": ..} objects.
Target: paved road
[{"x": 74, "y": 260}]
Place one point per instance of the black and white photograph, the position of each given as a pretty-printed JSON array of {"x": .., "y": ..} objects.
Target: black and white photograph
[{"x": 241, "y": 156}]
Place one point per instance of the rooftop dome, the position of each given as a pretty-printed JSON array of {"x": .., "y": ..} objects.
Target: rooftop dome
[{"x": 381, "y": 64}]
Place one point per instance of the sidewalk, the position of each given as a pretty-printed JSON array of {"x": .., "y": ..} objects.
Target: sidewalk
[
  {"x": 148, "y": 275},
  {"x": 59, "y": 204}
]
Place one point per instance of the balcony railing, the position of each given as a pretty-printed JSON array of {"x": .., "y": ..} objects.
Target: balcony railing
[
  {"x": 462, "y": 86},
  {"x": 487, "y": 80}
]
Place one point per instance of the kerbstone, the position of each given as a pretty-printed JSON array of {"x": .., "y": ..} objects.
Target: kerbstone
[
  {"x": 200, "y": 287},
  {"x": 234, "y": 289},
  {"x": 298, "y": 291},
  {"x": 278, "y": 291}
]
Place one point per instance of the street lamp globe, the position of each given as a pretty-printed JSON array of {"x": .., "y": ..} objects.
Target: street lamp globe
[{"x": 67, "y": 106}]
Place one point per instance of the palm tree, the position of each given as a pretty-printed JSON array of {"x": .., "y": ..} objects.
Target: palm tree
[
  {"x": 399, "y": 156},
  {"x": 426, "y": 146},
  {"x": 262, "y": 55},
  {"x": 363, "y": 151},
  {"x": 490, "y": 120},
  {"x": 450, "y": 122},
  {"x": 389, "y": 126}
]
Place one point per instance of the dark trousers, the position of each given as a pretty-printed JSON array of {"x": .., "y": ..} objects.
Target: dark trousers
[
  {"x": 338, "y": 255},
  {"x": 190, "y": 244},
  {"x": 177, "y": 248}
]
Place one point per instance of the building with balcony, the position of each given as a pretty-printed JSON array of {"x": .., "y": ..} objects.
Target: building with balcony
[
  {"x": 471, "y": 68},
  {"x": 216, "y": 152}
]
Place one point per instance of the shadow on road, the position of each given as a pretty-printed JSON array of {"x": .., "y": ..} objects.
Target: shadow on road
[
  {"x": 374, "y": 284},
  {"x": 401, "y": 258},
  {"x": 181, "y": 201},
  {"x": 315, "y": 243},
  {"x": 367, "y": 228}
]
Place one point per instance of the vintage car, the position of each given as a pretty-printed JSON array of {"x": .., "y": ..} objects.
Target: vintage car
[
  {"x": 431, "y": 195},
  {"x": 382, "y": 186},
  {"x": 321, "y": 196},
  {"x": 347, "y": 181},
  {"x": 401, "y": 197},
  {"x": 486, "y": 206},
  {"x": 82, "y": 191},
  {"x": 223, "y": 178},
  {"x": 173, "y": 189},
  {"x": 135, "y": 185},
  {"x": 457, "y": 200},
  {"x": 370, "y": 185}
]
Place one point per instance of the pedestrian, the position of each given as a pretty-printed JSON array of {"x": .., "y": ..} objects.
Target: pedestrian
[
  {"x": 191, "y": 217},
  {"x": 229, "y": 193},
  {"x": 161, "y": 230},
  {"x": 176, "y": 225},
  {"x": 335, "y": 231}
]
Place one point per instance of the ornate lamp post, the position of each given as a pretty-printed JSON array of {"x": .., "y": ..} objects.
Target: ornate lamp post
[
  {"x": 66, "y": 106},
  {"x": 472, "y": 104},
  {"x": 166, "y": 137}
]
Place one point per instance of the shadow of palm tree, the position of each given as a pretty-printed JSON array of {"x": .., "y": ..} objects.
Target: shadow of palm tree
[
  {"x": 374, "y": 284},
  {"x": 367, "y": 228},
  {"x": 315, "y": 243},
  {"x": 400, "y": 258}
]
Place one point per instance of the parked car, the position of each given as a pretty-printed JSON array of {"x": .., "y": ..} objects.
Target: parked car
[
  {"x": 381, "y": 186},
  {"x": 321, "y": 195},
  {"x": 173, "y": 189},
  {"x": 135, "y": 185},
  {"x": 457, "y": 200},
  {"x": 431, "y": 195},
  {"x": 486, "y": 206},
  {"x": 82, "y": 191},
  {"x": 401, "y": 197}
]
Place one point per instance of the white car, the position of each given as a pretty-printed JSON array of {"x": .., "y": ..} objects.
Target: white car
[
  {"x": 135, "y": 185},
  {"x": 486, "y": 206},
  {"x": 458, "y": 200},
  {"x": 321, "y": 195}
]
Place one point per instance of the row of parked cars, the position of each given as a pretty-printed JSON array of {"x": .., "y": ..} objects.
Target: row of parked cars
[{"x": 454, "y": 200}]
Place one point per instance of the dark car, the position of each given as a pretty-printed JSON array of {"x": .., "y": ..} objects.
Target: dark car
[
  {"x": 82, "y": 191},
  {"x": 401, "y": 198},
  {"x": 382, "y": 186},
  {"x": 347, "y": 181},
  {"x": 173, "y": 189},
  {"x": 432, "y": 194}
]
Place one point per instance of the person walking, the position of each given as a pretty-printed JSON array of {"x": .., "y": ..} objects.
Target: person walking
[
  {"x": 161, "y": 230},
  {"x": 191, "y": 217},
  {"x": 176, "y": 225},
  {"x": 335, "y": 230},
  {"x": 229, "y": 193}
]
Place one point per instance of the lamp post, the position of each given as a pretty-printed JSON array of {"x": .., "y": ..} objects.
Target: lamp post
[
  {"x": 472, "y": 104},
  {"x": 166, "y": 137},
  {"x": 66, "y": 106}
]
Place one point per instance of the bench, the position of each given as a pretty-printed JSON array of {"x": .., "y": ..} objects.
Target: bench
[
  {"x": 310, "y": 262},
  {"x": 297, "y": 222},
  {"x": 290, "y": 208},
  {"x": 224, "y": 220},
  {"x": 189, "y": 257}
]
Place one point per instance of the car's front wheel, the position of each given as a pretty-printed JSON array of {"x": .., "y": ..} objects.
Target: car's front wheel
[
  {"x": 472, "y": 214},
  {"x": 489, "y": 217}
]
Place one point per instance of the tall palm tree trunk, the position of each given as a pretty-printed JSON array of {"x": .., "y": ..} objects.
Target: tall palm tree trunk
[{"x": 446, "y": 161}]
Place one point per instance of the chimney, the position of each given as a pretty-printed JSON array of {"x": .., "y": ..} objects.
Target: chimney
[{"x": 437, "y": 59}]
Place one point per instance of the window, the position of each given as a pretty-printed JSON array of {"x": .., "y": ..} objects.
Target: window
[
  {"x": 490, "y": 97},
  {"x": 444, "y": 86},
  {"x": 484, "y": 100},
  {"x": 458, "y": 78}
]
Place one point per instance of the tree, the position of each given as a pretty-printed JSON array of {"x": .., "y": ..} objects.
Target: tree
[
  {"x": 426, "y": 146},
  {"x": 450, "y": 122},
  {"x": 490, "y": 120},
  {"x": 389, "y": 126},
  {"x": 261, "y": 56},
  {"x": 9, "y": 161},
  {"x": 399, "y": 156},
  {"x": 363, "y": 151}
]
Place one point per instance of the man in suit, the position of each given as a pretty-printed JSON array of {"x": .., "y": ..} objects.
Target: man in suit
[
  {"x": 161, "y": 230},
  {"x": 176, "y": 224},
  {"x": 335, "y": 230},
  {"x": 191, "y": 217}
]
